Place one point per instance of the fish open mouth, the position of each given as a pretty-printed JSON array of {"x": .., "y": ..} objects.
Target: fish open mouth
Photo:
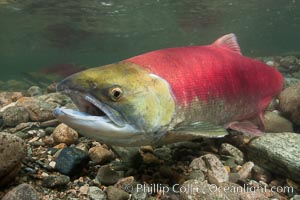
[
  {"x": 91, "y": 106},
  {"x": 98, "y": 121}
]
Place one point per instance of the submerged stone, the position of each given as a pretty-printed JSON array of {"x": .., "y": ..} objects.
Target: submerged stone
[
  {"x": 56, "y": 181},
  {"x": 274, "y": 123},
  {"x": 114, "y": 193},
  {"x": 95, "y": 193},
  {"x": 229, "y": 150},
  {"x": 34, "y": 91},
  {"x": 107, "y": 176},
  {"x": 65, "y": 134},
  {"x": 289, "y": 103},
  {"x": 9, "y": 97},
  {"x": 23, "y": 191},
  {"x": 210, "y": 164},
  {"x": 277, "y": 152},
  {"x": 38, "y": 110},
  {"x": 71, "y": 160},
  {"x": 12, "y": 153},
  {"x": 15, "y": 115},
  {"x": 100, "y": 155}
]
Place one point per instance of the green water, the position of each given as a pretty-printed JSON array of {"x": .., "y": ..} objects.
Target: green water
[{"x": 39, "y": 33}]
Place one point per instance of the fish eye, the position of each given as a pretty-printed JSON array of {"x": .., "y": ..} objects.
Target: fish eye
[{"x": 116, "y": 93}]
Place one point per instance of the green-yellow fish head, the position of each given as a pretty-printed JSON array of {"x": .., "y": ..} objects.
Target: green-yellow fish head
[{"x": 120, "y": 104}]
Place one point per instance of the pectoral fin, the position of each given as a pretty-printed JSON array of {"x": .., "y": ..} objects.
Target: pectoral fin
[{"x": 193, "y": 131}]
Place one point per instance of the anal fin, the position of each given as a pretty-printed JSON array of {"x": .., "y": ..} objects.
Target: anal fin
[{"x": 246, "y": 127}]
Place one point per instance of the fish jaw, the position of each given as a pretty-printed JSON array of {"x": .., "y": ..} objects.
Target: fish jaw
[
  {"x": 101, "y": 128},
  {"x": 142, "y": 116}
]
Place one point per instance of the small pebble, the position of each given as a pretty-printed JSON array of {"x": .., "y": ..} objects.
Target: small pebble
[
  {"x": 39, "y": 110},
  {"x": 60, "y": 146},
  {"x": 48, "y": 140},
  {"x": 270, "y": 62},
  {"x": 277, "y": 182},
  {"x": 125, "y": 183},
  {"x": 50, "y": 123},
  {"x": 131, "y": 156},
  {"x": 230, "y": 162},
  {"x": 107, "y": 176},
  {"x": 52, "y": 164},
  {"x": 83, "y": 146},
  {"x": 9, "y": 97},
  {"x": 212, "y": 179},
  {"x": 56, "y": 181},
  {"x": 149, "y": 158},
  {"x": 292, "y": 184},
  {"x": 84, "y": 189},
  {"x": 197, "y": 175},
  {"x": 289, "y": 101},
  {"x": 24, "y": 191},
  {"x": 71, "y": 160},
  {"x": 37, "y": 143},
  {"x": 34, "y": 139},
  {"x": 296, "y": 197},
  {"x": 147, "y": 149},
  {"x": 260, "y": 174},
  {"x": 114, "y": 193},
  {"x": 41, "y": 133},
  {"x": 164, "y": 153},
  {"x": 65, "y": 134},
  {"x": 245, "y": 170},
  {"x": 234, "y": 177},
  {"x": 51, "y": 88},
  {"x": 138, "y": 194},
  {"x": 34, "y": 91},
  {"x": 229, "y": 150},
  {"x": 100, "y": 155},
  {"x": 49, "y": 130},
  {"x": 12, "y": 153},
  {"x": 15, "y": 115},
  {"x": 209, "y": 163},
  {"x": 23, "y": 135},
  {"x": 44, "y": 174},
  {"x": 95, "y": 193},
  {"x": 290, "y": 81},
  {"x": 227, "y": 168},
  {"x": 289, "y": 64}
]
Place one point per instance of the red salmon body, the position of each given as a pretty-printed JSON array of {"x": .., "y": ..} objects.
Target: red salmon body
[
  {"x": 215, "y": 81},
  {"x": 171, "y": 95}
]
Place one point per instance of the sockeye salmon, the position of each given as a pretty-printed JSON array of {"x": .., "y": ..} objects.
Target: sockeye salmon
[{"x": 171, "y": 95}]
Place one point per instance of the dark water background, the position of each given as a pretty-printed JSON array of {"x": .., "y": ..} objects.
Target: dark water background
[{"x": 35, "y": 34}]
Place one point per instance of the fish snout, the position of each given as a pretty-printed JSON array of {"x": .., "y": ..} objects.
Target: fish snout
[
  {"x": 61, "y": 86},
  {"x": 65, "y": 85},
  {"x": 68, "y": 85},
  {"x": 57, "y": 112}
]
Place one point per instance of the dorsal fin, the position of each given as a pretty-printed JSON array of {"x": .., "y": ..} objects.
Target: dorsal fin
[{"x": 228, "y": 41}]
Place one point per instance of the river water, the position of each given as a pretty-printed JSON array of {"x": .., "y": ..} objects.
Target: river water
[{"x": 43, "y": 34}]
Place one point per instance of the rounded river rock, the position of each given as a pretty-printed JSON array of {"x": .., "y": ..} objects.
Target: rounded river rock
[
  {"x": 12, "y": 152},
  {"x": 277, "y": 152}
]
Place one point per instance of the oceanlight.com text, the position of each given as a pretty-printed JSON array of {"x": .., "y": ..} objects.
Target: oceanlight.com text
[{"x": 204, "y": 188}]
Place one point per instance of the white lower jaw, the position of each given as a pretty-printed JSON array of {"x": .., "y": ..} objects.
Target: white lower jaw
[{"x": 101, "y": 128}]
